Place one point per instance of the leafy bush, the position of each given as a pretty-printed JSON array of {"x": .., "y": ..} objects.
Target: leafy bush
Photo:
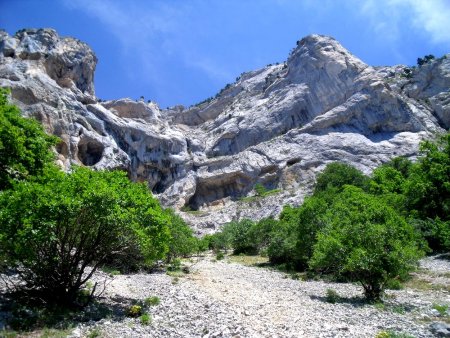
[
  {"x": 54, "y": 227},
  {"x": 151, "y": 301},
  {"x": 219, "y": 241},
  {"x": 239, "y": 234},
  {"x": 175, "y": 265},
  {"x": 134, "y": 311},
  {"x": 332, "y": 296},
  {"x": 386, "y": 179},
  {"x": 24, "y": 146},
  {"x": 282, "y": 245},
  {"x": 442, "y": 309},
  {"x": 292, "y": 239},
  {"x": 425, "y": 59},
  {"x": 366, "y": 241},
  {"x": 337, "y": 174},
  {"x": 392, "y": 334},
  {"x": 428, "y": 186},
  {"x": 261, "y": 233},
  {"x": 435, "y": 232},
  {"x": 182, "y": 241},
  {"x": 260, "y": 189},
  {"x": 146, "y": 319},
  {"x": 427, "y": 192},
  {"x": 308, "y": 223},
  {"x": 203, "y": 243},
  {"x": 401, "y": 164}
]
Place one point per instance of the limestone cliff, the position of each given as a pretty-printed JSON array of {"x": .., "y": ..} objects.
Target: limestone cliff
[{"x": 277, "y": 126}]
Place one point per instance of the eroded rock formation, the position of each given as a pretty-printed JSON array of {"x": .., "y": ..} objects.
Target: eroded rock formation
[{"x": 277, "y": 126}]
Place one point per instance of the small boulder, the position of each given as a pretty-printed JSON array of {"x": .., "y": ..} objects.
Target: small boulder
[{"x": 440, "y": 329}]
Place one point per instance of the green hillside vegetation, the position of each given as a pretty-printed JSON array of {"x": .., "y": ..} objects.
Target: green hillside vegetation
[
  {"x": 371, "y": 230},
  {"x": 57, "y": 229}
]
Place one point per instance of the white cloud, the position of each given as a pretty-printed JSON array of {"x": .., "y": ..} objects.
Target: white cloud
[
  {"x": 433, "y": 16},
  {"x": 392, "y": 18}
]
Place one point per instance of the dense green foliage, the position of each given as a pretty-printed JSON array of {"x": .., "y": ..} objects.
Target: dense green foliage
[
  {"x": 428, "y": 187},
  {"x": 366, "y": 241},
  {"x": 359, "y": 228},
  {"x": 241, "y": 237},
  {"x": 182, "y": 242},
  {"x": 425, "y": 59},
  {"x": 54, "y": 228},
  {"x": 219, "y": 241},
  {"x": 337, "y": 174},
  {"x": 307, "y": 222},
  {"x": 24, "y": 146},
  {"x": 57, "y": 228}
]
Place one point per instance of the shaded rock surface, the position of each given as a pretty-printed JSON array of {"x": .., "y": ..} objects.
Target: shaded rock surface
[{"x": 278, "y": 126}]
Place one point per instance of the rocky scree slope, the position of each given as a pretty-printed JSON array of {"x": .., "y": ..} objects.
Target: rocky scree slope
[
  {"x": 277, "y": 126},
  {"x": 225, "y": 299}
]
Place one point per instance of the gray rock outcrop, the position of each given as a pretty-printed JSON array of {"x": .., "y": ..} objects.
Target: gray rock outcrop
[{"x": 278, "y": 126}]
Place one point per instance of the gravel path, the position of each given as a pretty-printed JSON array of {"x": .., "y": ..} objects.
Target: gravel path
[
  {"x": 439, "y": 263},
  {"x": 222, "y": 299}
]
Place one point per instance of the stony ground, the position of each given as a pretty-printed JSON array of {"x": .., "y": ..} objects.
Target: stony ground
[{"x": 225, "y": 299}]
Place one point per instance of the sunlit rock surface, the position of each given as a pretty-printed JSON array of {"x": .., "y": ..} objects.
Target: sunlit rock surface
[{"x": 278, "y": 126}]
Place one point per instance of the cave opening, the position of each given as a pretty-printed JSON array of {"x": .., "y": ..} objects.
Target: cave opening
[
  {"x": 207, "y": 192},
  {"x": 90, "y": 151}
]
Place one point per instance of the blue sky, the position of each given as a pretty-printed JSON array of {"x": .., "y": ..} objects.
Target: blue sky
[{"x": 183, "y": 51}]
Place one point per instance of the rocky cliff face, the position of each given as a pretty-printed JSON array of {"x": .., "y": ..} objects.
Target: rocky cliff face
[{"x": 277, "y": 126}]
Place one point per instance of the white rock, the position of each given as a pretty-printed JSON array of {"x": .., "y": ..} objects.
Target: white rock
[{"x": 278, "y": 126}]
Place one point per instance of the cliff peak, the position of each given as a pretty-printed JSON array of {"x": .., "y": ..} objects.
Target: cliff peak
[{"x": 277, "y": 126}]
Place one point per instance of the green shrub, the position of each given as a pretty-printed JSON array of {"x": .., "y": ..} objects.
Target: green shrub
[
  {"x": 220, "y": 240},
  {"x": 151, "y": 301},
  {"x": 260, "y": 234},
  {"x": 400, "y": 309},
  {"x": 427, "y": 192},
  {"x": 240, "y": 237},
  {"x": 332, "y": 296},
  {"x": 428, "y": 187},
  {"x": 386, "y": 179},
  {"x": 292, "y": 239},
  {"x": 220, "y": 256},
  {"x": 442, "y": 309},
  {"x": 182, "y": 241},
  {"x": 55, "y": 228},
  {"x": 392, "y": 334},
  {"x": 110, "y": 271},
  {"x": 203, "y": 244},
  {"x": 25, "y": 149},
  {"x": 401, "y": 164},
  {"x": 366, "y": 241},
  {"x": 134, "y": 311},
  {"x": 175, "y": 265},
  {"x": 146, "y": 319},
  {"x": 337, "y": 174},
  {"x": 425, "y": 59},
  {"x": 308, "y": 223},
  {"x": 94, "y": 333},
  {"x": 282, "y": 245},
  {"x": 260, "y": 189},
  {"x": 394, "y": 284}
]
